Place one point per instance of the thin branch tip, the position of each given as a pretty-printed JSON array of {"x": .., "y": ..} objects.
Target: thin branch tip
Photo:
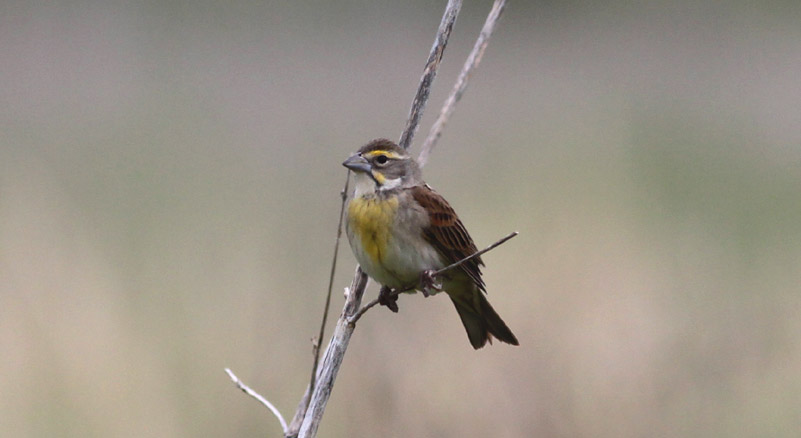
[
  {"x": 231, "y": 375},
  {"x": 247, "y": 390}
]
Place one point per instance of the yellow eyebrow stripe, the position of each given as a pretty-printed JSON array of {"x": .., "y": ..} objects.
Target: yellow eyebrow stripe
[{"x": 376, "y": 153}]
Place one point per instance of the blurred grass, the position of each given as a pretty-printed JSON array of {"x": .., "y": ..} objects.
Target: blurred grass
[{"x": 169, "y": 178}]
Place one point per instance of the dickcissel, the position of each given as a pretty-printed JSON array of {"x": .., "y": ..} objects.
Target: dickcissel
[{"x": 401, "y": 231}]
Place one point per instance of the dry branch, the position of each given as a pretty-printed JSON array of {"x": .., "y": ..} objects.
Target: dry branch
[
  {"x": 247, "y": 390},
  {"x": 333, "y": 357},
  {"x": 430, "y": 72},
  {"x": 461, "y": 82}
]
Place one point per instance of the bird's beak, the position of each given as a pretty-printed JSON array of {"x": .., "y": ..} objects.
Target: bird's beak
[{"x": 357, "y": 163}]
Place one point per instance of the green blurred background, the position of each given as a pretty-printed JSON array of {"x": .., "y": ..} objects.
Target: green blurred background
[{"x": 169, "y": 190}]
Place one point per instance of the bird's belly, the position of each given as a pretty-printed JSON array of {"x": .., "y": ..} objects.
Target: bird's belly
[
  {"x": 389, "y": 252},
  {"x": 407, "y": 258}
]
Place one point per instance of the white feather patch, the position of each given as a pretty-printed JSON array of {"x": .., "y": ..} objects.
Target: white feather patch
[
  {"x": 364, "y": 184},
  {"x": 390, "y": 184}
]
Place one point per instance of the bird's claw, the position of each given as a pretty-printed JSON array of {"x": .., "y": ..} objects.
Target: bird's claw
[
  {"x": 428, "y": 282},
  {"x": 387, "y": 298}
]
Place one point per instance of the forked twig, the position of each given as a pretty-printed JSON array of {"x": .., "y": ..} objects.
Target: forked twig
[
  {"x": 246, "y": 389},
  {"x": 438, "y": 272},
  {"x": 461, "y": 82}
]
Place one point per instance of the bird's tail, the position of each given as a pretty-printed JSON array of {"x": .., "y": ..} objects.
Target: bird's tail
[{"x": 480, "y": 320}]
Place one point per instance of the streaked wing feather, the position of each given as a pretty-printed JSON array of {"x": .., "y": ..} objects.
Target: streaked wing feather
[{"x": 447, "y": 233}]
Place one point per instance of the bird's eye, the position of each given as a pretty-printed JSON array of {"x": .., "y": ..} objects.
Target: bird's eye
[{"x": 381, "y": 159}]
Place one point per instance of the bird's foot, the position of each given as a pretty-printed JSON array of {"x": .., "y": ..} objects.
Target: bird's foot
[
  {"x": 387, "y": 298},
  {"x": 428, "y": 283}
]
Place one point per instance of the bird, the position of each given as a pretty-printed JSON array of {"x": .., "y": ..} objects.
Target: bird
[{"x": 401, "y": 231}]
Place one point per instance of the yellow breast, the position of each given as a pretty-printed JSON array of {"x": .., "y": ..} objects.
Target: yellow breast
[{"x": 371, "y": 221}]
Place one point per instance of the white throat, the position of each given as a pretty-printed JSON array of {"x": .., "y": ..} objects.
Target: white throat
[{"x": 364, "y": 184}]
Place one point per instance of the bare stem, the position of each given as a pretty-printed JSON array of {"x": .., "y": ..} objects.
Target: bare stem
[
  {"x": 319, "y": 339},
  {"x": 430, "y": 72},
  {"x": 436, "y": 273},
  {"x": 332, "y": 359},
  {"x": 461, "y": 82},
  {"x": 300, "y": 412},
  {"x": 246, "y": 389}
]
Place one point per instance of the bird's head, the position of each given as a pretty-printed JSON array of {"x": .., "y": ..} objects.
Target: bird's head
[{"x": 382, "y": 165}]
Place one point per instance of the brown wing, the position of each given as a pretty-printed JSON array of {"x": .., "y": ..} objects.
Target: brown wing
[{"x": 447, "y": 233}]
